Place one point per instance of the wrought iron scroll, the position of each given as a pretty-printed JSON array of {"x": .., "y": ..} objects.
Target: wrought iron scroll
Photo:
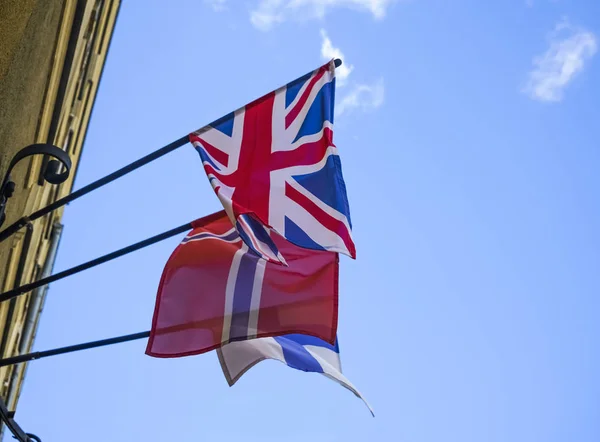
[
  {"x": 8, "y": 418},
  {"x": 52, "y": 174}
]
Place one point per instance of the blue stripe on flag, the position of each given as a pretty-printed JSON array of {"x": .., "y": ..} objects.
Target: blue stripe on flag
[
  {"x": 296, "y": 356},
  {"x": 311, "y": 340},
  {"x": 204, "y": 157},
  {"x": 320, "y": 111},
  {"x": 292, "y": 91},
  {"x": 226, "y": 126},
  {"x": 246, "y": 238},
  {"x": 259, "y": 232},
  {"x": 205, "y": 235},
  {"x": 296, "y": 235},
  {"x": 242, "y": 297},
  {"x": 328, "y": 185}
]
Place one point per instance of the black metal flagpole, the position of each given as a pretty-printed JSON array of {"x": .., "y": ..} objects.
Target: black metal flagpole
[
  {"x": 13, "y": 228},
  {"x": 94, "y": 262},
  {"x": 72, "y": 348}
]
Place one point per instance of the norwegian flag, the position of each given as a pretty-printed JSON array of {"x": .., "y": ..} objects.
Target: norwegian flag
[
  {"x": 273, "y": 164},
  {"x": 214, "y": 290}
]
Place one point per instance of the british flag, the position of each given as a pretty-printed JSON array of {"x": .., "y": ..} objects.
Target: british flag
[{"x": 273, "y": 165}]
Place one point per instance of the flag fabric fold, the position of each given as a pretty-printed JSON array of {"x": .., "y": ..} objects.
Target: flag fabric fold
[
  {"x": 301, "y": 352},
  {"x": 214, "y": 290},
  {"x": 273, "y": 165}
]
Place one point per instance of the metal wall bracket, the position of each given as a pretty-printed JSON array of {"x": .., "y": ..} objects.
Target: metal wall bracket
[
  {"x": 51, "y": 174},
  {"x": 8, "y": 418}
]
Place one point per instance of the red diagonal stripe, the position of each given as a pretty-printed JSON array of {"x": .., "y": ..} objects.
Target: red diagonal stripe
[
  {"x": 214, "y": 152},
  {"x": 304, "y": 155},
  {"x": 228, "y": 180},
  {"x": 291, "y": 116},
  {"x": 323, "y": 217}
]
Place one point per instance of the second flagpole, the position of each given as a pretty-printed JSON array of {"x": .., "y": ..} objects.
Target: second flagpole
[
  {"x": 21, "y": 290},
  {"x": 72, "y": 348}
]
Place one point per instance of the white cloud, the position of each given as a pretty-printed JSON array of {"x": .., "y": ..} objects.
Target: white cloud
[
  {"x": 328, "y": 51},
  {"x": 217, "y": 5},
  {"x": 363, "y": 96},
  {"x": 267, "y": 14},
  {"x": 271, "y": 12},
  {"x": 563, "y": 60}
]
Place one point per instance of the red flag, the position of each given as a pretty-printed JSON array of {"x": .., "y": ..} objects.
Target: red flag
[{"x": 214, "y": 290}]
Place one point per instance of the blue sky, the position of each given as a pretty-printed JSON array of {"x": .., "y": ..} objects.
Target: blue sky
[{"x": 468, "y": 132}]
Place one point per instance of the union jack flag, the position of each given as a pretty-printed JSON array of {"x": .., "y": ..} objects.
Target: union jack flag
[{"x": 273, "y": 165}]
